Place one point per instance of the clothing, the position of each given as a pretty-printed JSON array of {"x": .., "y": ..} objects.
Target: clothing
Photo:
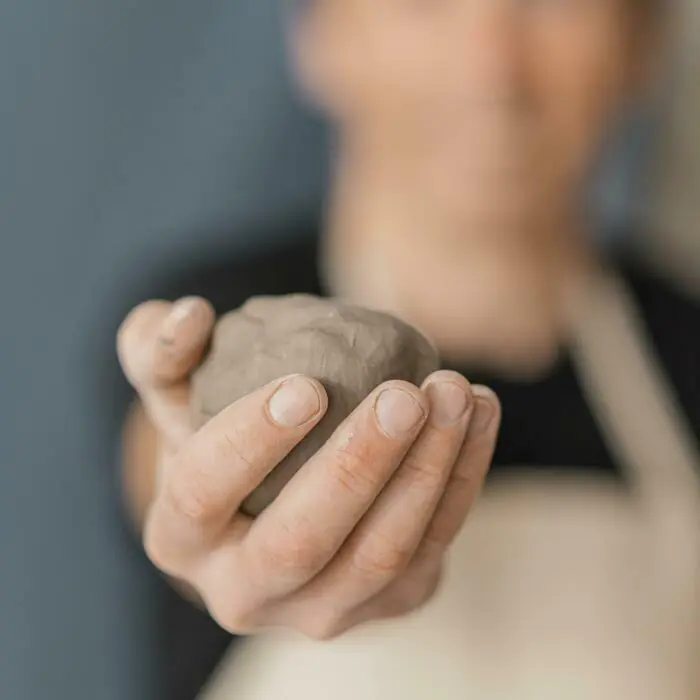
[
  {"x": 546, "y": 423},
  {"x": 558, "y": 587}
]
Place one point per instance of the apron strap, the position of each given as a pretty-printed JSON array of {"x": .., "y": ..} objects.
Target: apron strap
[{"x": 637, "y": 411}]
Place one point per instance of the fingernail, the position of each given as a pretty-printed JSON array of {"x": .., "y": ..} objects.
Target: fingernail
[
  {"x": 294, "y": 403},
  {"x": 484, "y": 411},
  {"x": 398, "y": 412},
  {"x": 448, "y": 403},
  {"x": 182, "y": 309}
]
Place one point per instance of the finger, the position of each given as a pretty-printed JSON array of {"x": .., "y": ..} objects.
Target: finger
[
  {"x": 224, "y": 461},
  {"x": 302, "y": 530},
  {"x": 159, "y": 344},
  {"x": 419, "y": 581},
  {"x": 406, "y": 594},
  {"x": 385, "y": 541},
  {"x": 467, "y": 477}
]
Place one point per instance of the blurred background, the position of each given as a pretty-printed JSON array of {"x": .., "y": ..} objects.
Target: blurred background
[
  {"x": 129, "y": 131},
  {"x": 133, "y": 131}
]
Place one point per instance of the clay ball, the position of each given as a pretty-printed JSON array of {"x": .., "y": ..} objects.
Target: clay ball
[{"x": 350, "y": 350}]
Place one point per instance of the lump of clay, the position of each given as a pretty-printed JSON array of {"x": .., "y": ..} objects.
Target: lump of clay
[{"x": 350, "y": 350}]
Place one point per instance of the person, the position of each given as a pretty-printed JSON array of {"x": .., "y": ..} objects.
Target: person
[{"x": 466, "y": 133}]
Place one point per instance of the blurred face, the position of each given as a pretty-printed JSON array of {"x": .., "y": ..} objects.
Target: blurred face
[
  {"x": 467, "y": 130},
  {"x": 492, "y": 110}
]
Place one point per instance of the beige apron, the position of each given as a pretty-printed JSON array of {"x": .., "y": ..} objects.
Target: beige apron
[{"x": 558, "y": 588}]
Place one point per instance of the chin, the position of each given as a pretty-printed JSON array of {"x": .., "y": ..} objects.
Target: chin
[
  {"x": 499, "y": 312},
  {"x": 518, "y": 357},
  {"x": 492, "y": 306}
]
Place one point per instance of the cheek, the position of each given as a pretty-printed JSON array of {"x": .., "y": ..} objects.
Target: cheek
[
  {"x": 392, "y": 74},
  {"x": 580, "y": 80}
]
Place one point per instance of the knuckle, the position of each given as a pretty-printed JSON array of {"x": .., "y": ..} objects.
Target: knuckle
[
  {"x": 189, "y": 497},
  {"x": 410, "y": 599},
  {"x": 423, "y": 473},
  {"x": 464, "y": 478},
  {"x": 232, "y": 614},
  {"x": 431, "y": 584},
  {"x": 432, "y": 549},
  {"x": 419, "y": 590},
  {"x": 159, "y": 549},
  {"x": 380, "y": 557},
  {"x": 356, "y": 472},
  {"x": 292, "y": 550},
  {"x": 322, "y": 628}
]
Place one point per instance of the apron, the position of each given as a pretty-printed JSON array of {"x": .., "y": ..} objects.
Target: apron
[{"x": 558, "y": 588}]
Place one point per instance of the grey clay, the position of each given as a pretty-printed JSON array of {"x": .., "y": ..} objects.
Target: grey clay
[{"x": 351, "y": 350}]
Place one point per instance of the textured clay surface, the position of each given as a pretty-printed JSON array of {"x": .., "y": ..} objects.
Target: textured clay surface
[{"x": 350, "y": 350}]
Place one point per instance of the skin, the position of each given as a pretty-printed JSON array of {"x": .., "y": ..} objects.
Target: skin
[
  {"x": 466, "y": 130},
  {"x": 359, "y": 534}
]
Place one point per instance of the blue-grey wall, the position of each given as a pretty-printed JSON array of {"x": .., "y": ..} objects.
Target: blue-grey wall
[{"x": 129, "y": 130}]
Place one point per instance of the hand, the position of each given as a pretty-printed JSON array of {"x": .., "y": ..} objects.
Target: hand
[{"x": 359, "y": 533}]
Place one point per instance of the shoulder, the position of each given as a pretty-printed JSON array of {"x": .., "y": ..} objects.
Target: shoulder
[{"x": 673, "y": 321}]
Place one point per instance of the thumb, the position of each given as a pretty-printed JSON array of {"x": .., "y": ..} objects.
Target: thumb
[{"x": 160, "y": 343}]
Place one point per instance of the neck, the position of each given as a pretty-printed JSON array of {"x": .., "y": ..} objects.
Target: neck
[{"x": 497, "y": 300}]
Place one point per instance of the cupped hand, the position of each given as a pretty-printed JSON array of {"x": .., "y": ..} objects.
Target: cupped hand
[{"x": 360, "y": 533}]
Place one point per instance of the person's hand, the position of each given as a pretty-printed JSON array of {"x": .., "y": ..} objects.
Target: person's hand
[{"x": 358, "y": 534}]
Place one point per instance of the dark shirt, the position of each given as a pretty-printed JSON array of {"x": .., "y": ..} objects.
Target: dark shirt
[{"x": 546, "y": 423}]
